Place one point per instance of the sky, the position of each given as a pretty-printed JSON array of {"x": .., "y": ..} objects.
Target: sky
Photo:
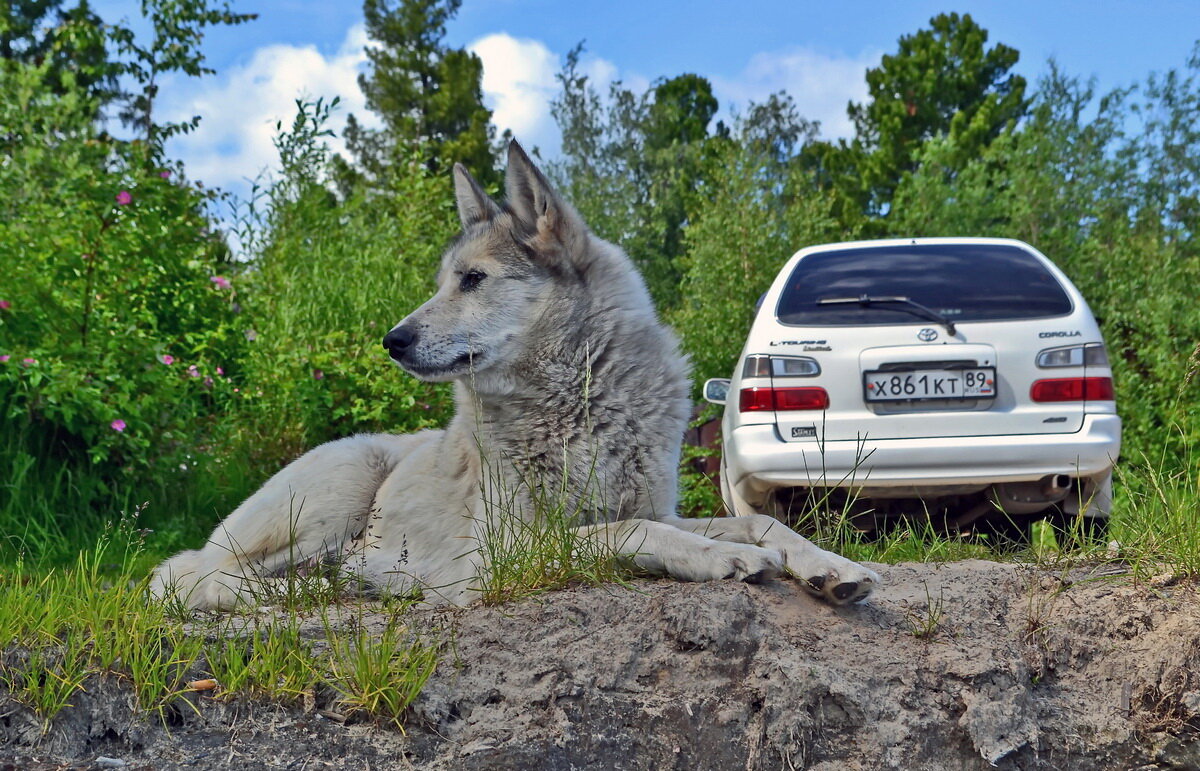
[{"x": 816, "y": 51}]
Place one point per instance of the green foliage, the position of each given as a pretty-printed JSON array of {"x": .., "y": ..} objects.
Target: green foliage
[
  {"x": 600, "y": 145},
  {"x": 176, "y": 30},
  {"x": 739, "y": 237},
  {"x": 941, "y": 81},
  {"x": 143, "y": 363},
  {"x": 22, "y": 28},
  {"x": 331, "y": 278},
  {"x": 427, "y": 94},
  {"x": 71, "y": 43},
  {"x": 636, "y": 165},
  {"x": 112, "y": 329}
]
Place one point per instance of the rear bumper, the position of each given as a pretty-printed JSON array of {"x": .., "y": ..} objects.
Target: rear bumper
[{"x": 757, "y": 460}]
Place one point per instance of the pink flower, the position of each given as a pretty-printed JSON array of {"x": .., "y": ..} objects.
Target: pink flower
[
  {"x": 29, "y": 362},
  {"x": 5, "y": 305},
  {"x": 167, "y": 359},
  {"x": 4, "y": 358},
  {"x": 193, "y": 371},
  {"x": 208, "y": 382},
  {"x": 318, "y": 374},
  {"x": 220, "y": 371},
  {"x": 164, "y": 174},
  {"x": 220, "y": 281},
  {"x": 117, "y": 425},
  {"x": 124, "y": 198}
]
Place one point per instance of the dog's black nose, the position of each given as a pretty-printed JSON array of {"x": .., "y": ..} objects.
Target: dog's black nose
[{"x": 398, "y": 341}]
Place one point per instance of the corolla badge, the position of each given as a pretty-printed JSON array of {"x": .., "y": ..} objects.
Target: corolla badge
[{"x": 927, "y": 335}]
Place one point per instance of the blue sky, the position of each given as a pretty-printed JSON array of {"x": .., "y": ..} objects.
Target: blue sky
[{"x": 817, "y": 51}]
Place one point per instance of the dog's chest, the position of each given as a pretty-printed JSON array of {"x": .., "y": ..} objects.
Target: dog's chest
[{"x": 589, "y": 450}]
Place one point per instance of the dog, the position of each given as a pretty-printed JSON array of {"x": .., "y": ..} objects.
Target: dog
[{"x": 562, "y": 372}]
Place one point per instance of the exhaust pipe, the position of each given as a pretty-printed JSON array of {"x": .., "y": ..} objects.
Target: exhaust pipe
[
  {"x": 1055, "y": 486},
  {"x": 1031, "y": 497}
]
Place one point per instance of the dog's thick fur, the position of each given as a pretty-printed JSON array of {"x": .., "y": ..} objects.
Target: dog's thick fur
[{"x": 562, "y": 371}]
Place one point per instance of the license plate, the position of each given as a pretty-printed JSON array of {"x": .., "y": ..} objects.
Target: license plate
[{"x": 924, "y": 384}]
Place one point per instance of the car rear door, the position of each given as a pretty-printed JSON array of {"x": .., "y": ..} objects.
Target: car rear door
[{"x": 891, "y": 374}]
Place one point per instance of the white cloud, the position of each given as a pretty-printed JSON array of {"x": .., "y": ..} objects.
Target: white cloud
[
  {"x": 240, "y": 108},
  {"x": 518, "y": 84},
  {"x": 821, "y": 85}
]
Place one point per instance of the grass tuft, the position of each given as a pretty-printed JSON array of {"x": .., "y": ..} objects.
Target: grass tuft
[
  {"x": 530, "y": 552},
  {"x": 379, "y": 672}
]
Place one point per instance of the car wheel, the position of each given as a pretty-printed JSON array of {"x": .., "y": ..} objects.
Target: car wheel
[
  {"x": 1100, "y": 506},
  {"x": 734, "y": 503}
]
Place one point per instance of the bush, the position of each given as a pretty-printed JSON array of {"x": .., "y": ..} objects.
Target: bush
[
  {"x": 117, "y": 320},
  {"x": 329, "y": 279}
]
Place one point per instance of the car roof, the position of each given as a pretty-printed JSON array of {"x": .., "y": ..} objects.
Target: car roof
[{"x": 965, "y": 241}]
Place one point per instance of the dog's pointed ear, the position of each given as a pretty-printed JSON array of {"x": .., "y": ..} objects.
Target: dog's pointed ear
[
  {"x": 536, "y": 204},
  {"x": 474, "y": 205}
]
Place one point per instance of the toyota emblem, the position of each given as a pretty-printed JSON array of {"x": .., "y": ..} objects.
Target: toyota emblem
[{"x": 927, "y": 335}]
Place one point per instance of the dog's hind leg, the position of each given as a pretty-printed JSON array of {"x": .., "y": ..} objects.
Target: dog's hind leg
[
  {"x": 664, "y": 550},
  {"x": 823, "y": 573},
  {"x": 310, "y": 509}
]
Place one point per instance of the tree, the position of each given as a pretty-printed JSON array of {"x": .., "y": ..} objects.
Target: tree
[
  {"x": 22, "y": 36},
  {"x": 72, "y": 44},
  {"x": 680, "y": 112},
  {"x": 633, "y": 163},
  {"x": 737, "y": 240},
  {"x": 942, "y": 80},
  {"x": 177, "y": 29},
  {"x": 427, "y": 94},
  {"x": 776, "y": 128}
]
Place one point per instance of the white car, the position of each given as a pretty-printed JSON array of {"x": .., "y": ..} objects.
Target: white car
[{"x": 963, "y": 378}]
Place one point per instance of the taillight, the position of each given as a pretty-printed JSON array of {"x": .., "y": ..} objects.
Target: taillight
[
  {"x": 782, "y": 399},
  {"x": 1086, "y": 355},
  {"x": 761, "y": 365},
  {"x": 1072, "y": 389}
]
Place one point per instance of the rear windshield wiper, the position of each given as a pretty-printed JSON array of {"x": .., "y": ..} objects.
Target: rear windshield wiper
[{"x": 906, "y": 305}]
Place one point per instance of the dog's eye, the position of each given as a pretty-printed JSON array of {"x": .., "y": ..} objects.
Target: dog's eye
[{"x": 471, "y": 279}]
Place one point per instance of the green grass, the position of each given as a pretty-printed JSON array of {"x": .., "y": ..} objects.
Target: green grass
[
  {"x": 68, "y": 626},
  {"x": 546, "y": 551},
  {"x": 1157, "y": 523},
  {"x": 379, "y": 672}
]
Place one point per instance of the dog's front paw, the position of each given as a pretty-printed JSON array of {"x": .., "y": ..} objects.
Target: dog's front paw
[
  {"x": 841, "y": 584},
  {"x": 737, "y": 561},
  {"x": 755, "y": 565}
]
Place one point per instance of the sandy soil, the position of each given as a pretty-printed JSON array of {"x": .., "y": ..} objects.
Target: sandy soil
[{"x": 968, "y": 665}]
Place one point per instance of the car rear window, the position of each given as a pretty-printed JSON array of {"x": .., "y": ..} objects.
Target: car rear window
[{"x": 963, "y": 282}]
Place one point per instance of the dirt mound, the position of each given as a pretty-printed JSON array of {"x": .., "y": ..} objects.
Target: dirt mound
[{"x": 960, "y": 666}]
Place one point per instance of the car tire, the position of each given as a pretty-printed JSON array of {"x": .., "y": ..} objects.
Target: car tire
[
  {"x": 1100, "y": 506},
  {"x": 735, "y": 505}
]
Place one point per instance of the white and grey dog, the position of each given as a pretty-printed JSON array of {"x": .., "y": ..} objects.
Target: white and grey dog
[{"x": 562, "y": 371}]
